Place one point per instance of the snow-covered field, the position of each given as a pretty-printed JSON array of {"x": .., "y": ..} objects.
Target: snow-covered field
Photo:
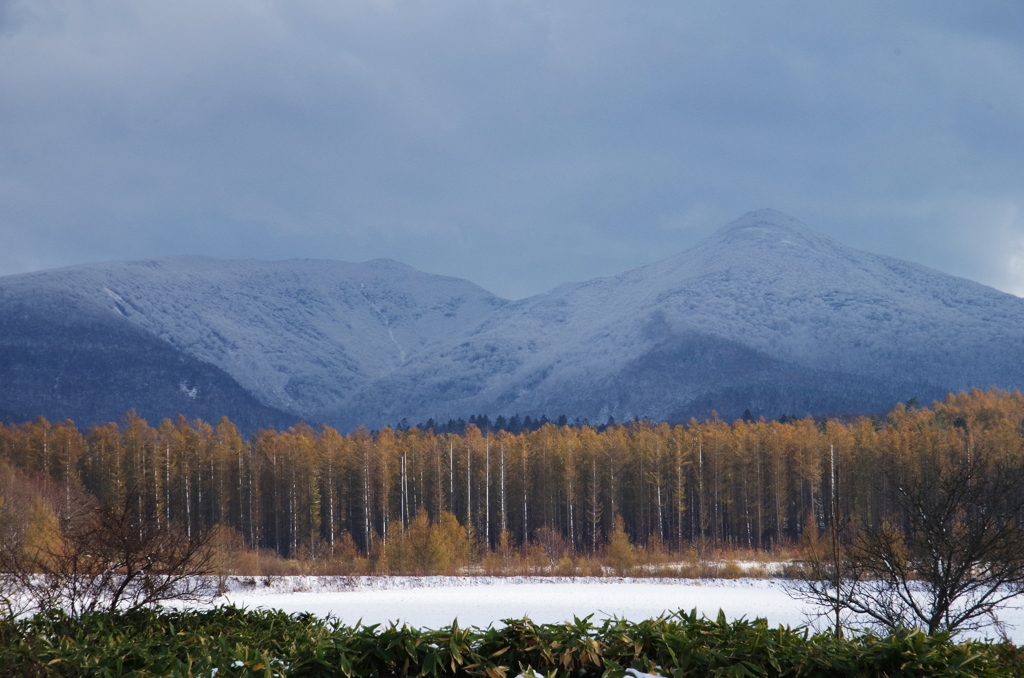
[{"x": 432, "y": 602}]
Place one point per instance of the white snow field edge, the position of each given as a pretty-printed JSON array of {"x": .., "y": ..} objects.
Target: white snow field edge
[{"x": 434, "y": 602}]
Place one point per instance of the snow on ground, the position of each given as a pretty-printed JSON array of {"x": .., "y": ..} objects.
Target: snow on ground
[{"x": 433, "y": 602}]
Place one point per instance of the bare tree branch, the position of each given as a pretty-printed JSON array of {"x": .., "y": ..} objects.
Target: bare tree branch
[
  {"x": 949, "y": 557},
  {"x": 110, "y": 559}
]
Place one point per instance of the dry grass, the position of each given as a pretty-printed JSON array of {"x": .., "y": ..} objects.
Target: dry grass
[{"x": 699, "y": 561}]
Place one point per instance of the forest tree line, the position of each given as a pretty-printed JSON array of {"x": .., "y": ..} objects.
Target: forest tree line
[{"x": 313, "y": 492}]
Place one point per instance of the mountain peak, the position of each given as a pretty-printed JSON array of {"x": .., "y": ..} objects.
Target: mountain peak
[
  {"x": 766, "y": 219},
  {"x": 767, "y": 226}
]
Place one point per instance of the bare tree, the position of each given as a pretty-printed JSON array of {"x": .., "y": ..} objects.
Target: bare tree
[
  {"x": 823, "y": 577},
  {"x": 949, "y": 557},
  {"x": 108, "y": 558}
]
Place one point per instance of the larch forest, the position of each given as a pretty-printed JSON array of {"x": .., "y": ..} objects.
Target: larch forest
[{"x": 309, "y": 493}]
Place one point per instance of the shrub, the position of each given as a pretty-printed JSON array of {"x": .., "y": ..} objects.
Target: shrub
[{"x": 240, "y": 642}]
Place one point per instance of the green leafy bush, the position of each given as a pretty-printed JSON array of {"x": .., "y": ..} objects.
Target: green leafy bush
[{"x": 238, "y": 642}]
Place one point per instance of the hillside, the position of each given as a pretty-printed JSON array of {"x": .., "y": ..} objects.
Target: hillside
[
  {"x": 765, "y": 315},
  {"x": 61, "y": 357},
  {"x": 298, "y": 336}
]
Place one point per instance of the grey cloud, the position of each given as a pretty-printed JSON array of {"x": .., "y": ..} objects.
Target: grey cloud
[{"x": 517, "y": 143}]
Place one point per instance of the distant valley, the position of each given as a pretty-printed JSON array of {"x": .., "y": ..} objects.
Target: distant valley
[{"x": 765, "y": 315}]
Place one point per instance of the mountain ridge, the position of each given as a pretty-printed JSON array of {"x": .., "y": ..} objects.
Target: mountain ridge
[
  {"x": 719, "y": 289},
  {"x": 765, "y": 314},
  {"x": 348, "y": 320}
]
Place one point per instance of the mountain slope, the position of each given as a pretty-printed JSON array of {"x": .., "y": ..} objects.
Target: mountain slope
[
  {"x": 62, "y": 358},
  {"x": 298, "y": 335},
  {"x": 765, "y": 314}
]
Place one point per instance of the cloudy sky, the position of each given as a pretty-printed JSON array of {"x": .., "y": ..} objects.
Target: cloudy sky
[{"x": 516, "y": 143}]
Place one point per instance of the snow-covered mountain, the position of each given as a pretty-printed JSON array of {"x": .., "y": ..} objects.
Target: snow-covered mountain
[
  {"x": 765, "y": 315},
  {"x": 300, "y": 335}
]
